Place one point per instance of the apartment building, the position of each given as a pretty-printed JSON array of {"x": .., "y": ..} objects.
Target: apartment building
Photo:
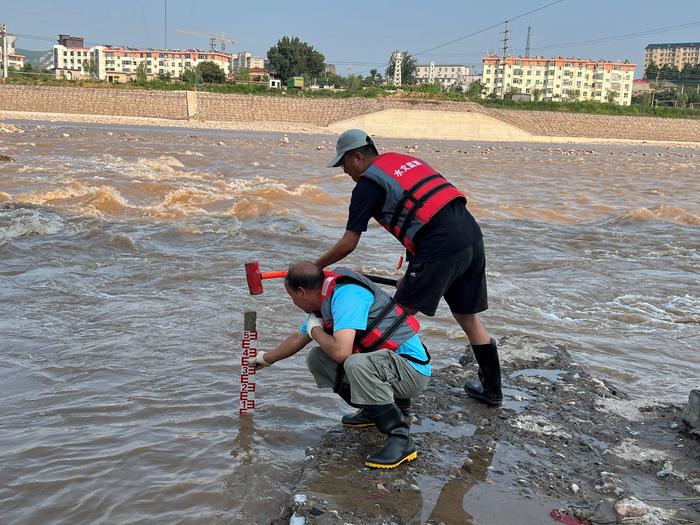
[
  {"x": 14, "y": 61},
  {"x": 674, "y": 55},
  {"x": 559, "y": 78},
  {"x": 72, "y": 60},
  {"x": 447, "y": 75},
  {"x": 246, "y": 60}
]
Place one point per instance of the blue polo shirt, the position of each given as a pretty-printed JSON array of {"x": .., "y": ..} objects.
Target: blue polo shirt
[{"x": 350, "y": 306}]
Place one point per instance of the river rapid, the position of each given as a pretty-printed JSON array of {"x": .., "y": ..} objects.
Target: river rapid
[{"x": 122, "y": 294}]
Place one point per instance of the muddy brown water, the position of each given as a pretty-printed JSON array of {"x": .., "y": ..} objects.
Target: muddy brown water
[{"x": 122, "y": 293}]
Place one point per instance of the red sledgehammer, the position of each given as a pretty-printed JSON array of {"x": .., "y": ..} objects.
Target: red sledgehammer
[{"x": 255, "y": 277}]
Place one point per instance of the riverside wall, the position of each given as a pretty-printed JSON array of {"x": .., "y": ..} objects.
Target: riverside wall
[
  {"x": 559, "y": 124},
  {"x": 181, "y": 105},
  {"x": 94, "y": 101}
]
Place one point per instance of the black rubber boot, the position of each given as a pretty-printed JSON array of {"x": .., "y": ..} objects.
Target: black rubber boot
[
  {"x": 399, "y": 446},
  {"x": 488, "y": 388},
  {"x": 358, "y": 419},
  {"x": 404, "y": 405}
]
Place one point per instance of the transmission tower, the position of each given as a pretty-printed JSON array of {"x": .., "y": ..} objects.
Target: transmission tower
[
  {"x": 527, "y": 46},
  {"x": 505, "y": 54}
]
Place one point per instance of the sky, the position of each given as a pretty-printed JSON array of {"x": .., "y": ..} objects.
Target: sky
[{"x": 363, "y": 39}]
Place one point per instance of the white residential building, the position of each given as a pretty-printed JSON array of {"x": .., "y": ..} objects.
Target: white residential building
[
  {"x": 559, "y": 78},
  {"x": 14, "y": 61},
  {"x": 119, "y": 64},
  {"x": 447, "y": 75},
  {"x": 246, "y": 60}
]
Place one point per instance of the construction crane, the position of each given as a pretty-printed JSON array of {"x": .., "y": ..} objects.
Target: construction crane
[{"x": 212, "y": 39}]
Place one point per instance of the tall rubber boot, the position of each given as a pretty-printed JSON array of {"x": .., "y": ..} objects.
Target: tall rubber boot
[
  {"x": 404, "y": 405},
  {"x": 488, "y": 388},
  {"x": 399, "y": 446},
  {"x": 361, "y": 419}
]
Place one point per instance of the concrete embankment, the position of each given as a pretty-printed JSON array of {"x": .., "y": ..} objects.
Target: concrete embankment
[{"x": 385, "y": 117}]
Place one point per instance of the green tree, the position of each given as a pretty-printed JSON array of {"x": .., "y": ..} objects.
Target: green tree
[
  {"x": 141, "y": 71},
  {"x": 291, "y": 57},
  {"x": 643, "y": 99},
  {"x": 408, "y": 68},
  {"x": 27, "y": 68},
  {"x": 476, "y": 89},
  {"x": 164, "y": 77},
  {"x": 681, "y": 99},
  {"x": 611, "y": 96},
  {"x": 90, "y": 67},
  {"x": 211, "y": 73},
  {"x": 191, "y": 76},
  {"x": 243, "y": 74}
]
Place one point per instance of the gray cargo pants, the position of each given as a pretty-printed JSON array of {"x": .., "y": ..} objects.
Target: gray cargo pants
[{"x": 375, "y": 378}]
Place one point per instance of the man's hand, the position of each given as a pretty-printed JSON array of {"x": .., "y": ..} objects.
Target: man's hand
[
  {"x": 259, "y": 360},
  {"x": 311, "y": 322}
]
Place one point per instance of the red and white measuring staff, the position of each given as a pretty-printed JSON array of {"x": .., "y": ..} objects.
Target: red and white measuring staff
[{"x": 249, "y": 345}]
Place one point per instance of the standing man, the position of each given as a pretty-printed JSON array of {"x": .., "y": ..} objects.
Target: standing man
[
  {"x": 443, "y": 242},
  {"x": 368, "y": 351}
]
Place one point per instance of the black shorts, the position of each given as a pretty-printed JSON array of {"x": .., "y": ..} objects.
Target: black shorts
[{"x": 460, "y": 279}]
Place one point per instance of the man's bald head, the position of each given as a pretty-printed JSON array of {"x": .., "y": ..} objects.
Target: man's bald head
[{"x": 304, "y": 274}]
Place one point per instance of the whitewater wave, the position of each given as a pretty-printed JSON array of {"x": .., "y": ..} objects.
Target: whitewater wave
[
  {"x": 238, "y": 198},
  {"x": 663, "y": 213},
  {"x": 22, "y": 222}
]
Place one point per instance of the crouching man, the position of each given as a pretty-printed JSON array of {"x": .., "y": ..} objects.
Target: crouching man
[{"x": 368, "y": 351}]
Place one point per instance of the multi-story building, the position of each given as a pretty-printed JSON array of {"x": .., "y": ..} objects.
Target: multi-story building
[
  {"x": 73, "y": 60},
  {"x": 246, "y": 60},
  {"x": 447, "y": 75},
  {"x": 119, "y": 64},
  {"x": 674, "y": 55},
  {"x": 559, "y": 78},
  {"x": 14, "y": 61}
]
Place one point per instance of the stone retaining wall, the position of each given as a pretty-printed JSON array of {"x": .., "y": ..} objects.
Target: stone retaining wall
[
  {"x": 94, "y": 101},
  {"x": 317, "y": 111},
  {"x": 324, "y": 111},
  {"x": 557, "y": 124}
]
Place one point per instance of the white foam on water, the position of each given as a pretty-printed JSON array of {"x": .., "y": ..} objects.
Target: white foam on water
[{"x": 22, "y": 222}]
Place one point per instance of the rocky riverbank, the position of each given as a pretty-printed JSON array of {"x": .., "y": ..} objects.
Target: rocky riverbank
[{"x": 565, "y": 447}]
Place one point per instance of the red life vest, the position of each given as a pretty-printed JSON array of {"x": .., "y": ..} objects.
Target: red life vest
[
  {"x": 415, "y": 192},
  {"x": 388, "y": 325}
]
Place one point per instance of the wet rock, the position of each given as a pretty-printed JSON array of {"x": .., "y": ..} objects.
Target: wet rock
[
  {"x": 692, "y": 411},
  {"x": 631, "y": 508},
  {"x": 9, "y": 128},
  {"x": 285, "y": 140},
  {"x": 611, "y": 484},
  {"x": 6, "y": 158},
  {"x": 667, "y": 470},
  {"x": 296, "y": 519}
]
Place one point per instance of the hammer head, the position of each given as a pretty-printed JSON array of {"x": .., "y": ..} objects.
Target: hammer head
[{"x": 252, "y": 274}]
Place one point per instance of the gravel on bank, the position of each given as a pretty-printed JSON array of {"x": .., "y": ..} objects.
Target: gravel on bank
[{"x": 565, "y": 447}]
